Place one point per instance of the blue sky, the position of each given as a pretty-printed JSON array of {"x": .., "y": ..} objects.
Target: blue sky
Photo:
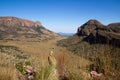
[{"x": 62, "y": 15}]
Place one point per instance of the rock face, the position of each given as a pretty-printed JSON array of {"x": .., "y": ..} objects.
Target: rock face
[
  {"x": 95, "y": 32},
  {"x": 16, "y": 28},
  {"x": 13, "y": 21},
  {"x": 115, "y": 27},
  {"x": 89, "y": 27}
]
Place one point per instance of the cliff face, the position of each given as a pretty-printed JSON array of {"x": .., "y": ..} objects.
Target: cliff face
[
  {"x": 95, "y": 32},
  {"x": 115, "y": 27},
  {"x": 17, "y": 28},
  {"x": 89, "y": 27},
  {"x": 13, "y": 21}
]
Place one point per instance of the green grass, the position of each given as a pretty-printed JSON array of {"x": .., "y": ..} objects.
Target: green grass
[{"x": 44, "y": 73}]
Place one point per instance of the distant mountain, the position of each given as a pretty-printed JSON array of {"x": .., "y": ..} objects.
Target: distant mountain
[
  {"x": 20, "y": 29},
  {"x": 65, "y": 34}
]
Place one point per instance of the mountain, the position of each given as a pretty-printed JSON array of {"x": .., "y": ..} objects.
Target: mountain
[
  {"x": 95, "y": 32},
  {"x": 20, "y": 29},
  {"x": 88, "y": 27},
  {"x": 98, "y": 43},
  {"x": 65, "y": 34},
  {"x": 93, "y": 36}
]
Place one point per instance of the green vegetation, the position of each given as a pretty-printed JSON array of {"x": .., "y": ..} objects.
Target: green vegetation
[
  {"x": 21, "y": 68},
  {"x": 10, "y": 50},
  {"x": 10, "y": 55}
]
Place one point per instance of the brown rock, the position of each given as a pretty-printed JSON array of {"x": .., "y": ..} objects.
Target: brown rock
[
  {"x": 17, "y": 28},
  {"x": 96, "y": 32},
  {"x": 88, "y": 27}
]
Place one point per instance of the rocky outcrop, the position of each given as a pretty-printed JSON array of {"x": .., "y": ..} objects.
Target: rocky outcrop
[
  {"x": 89, "y": 27},
  {"x": 95, "y": 32},
  {"x": 17, "y": 28},
  {"x": 13, "y": 21},
  {"x": 104, "y": 37},
  {"x": 115, "y": 27}
]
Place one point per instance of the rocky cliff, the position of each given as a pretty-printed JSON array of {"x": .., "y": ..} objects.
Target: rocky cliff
[
  {"x": 17, "y": 28},
  {"x": 95, "y": 32},
  {"x": 14, "y": 21},
  {"x": 89, "y": 27}
]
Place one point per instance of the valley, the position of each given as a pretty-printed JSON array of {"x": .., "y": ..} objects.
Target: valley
[
  {"x": 37, "y": 53},
  {"x": 26, "y": 44}
]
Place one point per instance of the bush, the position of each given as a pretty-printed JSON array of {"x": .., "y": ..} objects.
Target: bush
[{"x": 20, "y": 66}]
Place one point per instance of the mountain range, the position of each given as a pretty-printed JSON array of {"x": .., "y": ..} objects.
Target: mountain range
[
  {"x": 13, "y": 28},
  {"x": 65, "y": 34}
]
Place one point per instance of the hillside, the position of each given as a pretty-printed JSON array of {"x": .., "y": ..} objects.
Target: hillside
[
  {"x": 93, "y": 33},
  {"x": 14, "y": 28},
  {"x": 99, "y": 44}
]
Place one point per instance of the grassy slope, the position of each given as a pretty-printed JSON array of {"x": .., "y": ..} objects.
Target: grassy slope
[
  {"x": 38, "y": 53},
  {"x": 102, "y": 56}
]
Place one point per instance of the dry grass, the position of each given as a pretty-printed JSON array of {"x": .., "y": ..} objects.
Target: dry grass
[
  {"x": 7, "y": 68},
  {"x": 8, "y": 73},
  {"x": 38, "y": 55}
]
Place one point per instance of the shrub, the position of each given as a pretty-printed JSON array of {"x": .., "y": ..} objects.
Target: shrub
[{"x": 20, "y": 66}]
